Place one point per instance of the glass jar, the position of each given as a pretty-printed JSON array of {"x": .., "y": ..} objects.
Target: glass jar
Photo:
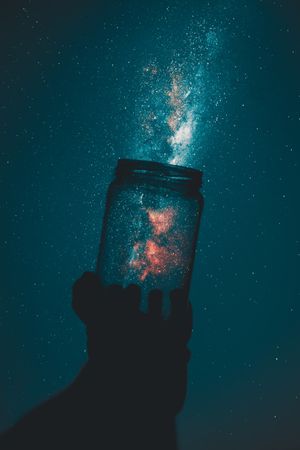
[{"x": 150, "y": 226}]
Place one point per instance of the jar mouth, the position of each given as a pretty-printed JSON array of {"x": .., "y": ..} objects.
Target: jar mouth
[{"x": 157, "y": 169}]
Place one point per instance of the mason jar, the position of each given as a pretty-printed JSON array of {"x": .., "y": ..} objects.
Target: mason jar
[{"x": 150, "y": 226}]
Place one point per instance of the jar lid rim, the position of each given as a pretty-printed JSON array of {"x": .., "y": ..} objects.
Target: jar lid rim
[{"x": 193, "y": 175}]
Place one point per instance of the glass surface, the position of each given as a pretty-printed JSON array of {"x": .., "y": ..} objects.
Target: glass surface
[{"x": 150, "y": 230}]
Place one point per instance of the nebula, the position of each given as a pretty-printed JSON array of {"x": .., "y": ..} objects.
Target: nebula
[
  {"x": 158, "y": 253},
  {"x": 179, "y": 104}
]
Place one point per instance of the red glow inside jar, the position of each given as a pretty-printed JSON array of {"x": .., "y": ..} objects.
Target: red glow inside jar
[{"x": 150, "y": 226}]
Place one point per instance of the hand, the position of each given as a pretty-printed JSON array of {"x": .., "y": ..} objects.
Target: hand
[{"x": 143, "y": 355}]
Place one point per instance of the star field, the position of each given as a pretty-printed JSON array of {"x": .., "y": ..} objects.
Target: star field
[{"x": 74, "y": 96}]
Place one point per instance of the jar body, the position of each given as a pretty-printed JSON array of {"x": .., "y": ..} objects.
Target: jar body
[{"x": 149, "y": 233}]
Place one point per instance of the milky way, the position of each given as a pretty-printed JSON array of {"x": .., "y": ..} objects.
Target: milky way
[{"x": 179, "y": 102}]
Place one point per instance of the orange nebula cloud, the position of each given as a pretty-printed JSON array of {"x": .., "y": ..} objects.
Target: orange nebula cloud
[
  {"x": 161, "y": 220},
  {"x": 158, "y": 253}
]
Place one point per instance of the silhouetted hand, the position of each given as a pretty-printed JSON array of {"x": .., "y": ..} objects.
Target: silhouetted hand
[
  {"x": 133, "y": 385},
  {"x": 142, "y": 355}
]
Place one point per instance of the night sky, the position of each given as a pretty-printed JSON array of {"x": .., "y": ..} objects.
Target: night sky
[{"x": 78, "y": 81}]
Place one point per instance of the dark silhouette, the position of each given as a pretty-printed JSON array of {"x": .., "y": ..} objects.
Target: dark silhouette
[{"x": 133, "y": 385}]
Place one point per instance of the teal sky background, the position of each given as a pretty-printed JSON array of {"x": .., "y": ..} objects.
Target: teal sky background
[{"x": 70, "y": 105}]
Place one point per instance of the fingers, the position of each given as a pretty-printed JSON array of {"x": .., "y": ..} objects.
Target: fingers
[
  {"x": 132, "y": 297},
  {"x": 88, "y": 279},
  {"x": 113, "y": 295},
  {"x": 155, "y": 300},
  {"x": 94, "y": 304}
]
